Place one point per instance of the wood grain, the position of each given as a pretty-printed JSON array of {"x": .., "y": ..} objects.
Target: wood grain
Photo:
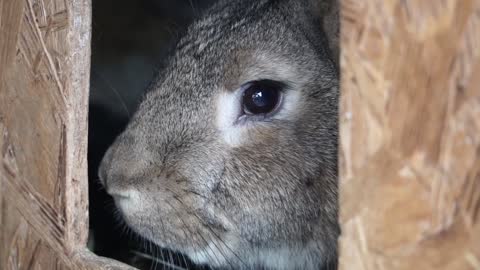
[
  {"x": 410, "y": 135},
  {"x": 410, "y": 144},
  {"x": 44, "y": 81}
]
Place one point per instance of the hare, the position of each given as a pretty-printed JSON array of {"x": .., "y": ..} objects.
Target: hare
[{"x": 231, "y": 157}]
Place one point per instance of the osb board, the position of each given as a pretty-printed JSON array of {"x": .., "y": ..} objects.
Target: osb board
[
  {"x": 26, "y": 250},
  {"x": 44, "y": 75},
  {"x": 410, "y": 134}
]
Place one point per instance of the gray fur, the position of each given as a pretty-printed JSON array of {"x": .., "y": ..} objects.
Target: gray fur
[{"x": 269, "y": 200}]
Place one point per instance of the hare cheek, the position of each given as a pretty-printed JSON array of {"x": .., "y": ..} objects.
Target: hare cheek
[{"x": 227, "y": 111}]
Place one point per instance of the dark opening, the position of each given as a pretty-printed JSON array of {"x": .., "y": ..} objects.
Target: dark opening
[{"x": 129, "y": 41}]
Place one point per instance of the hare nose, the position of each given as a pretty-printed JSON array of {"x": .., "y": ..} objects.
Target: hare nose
[
  {"x": 126, "y": 164},
  {"x": 104, "y": 168}
]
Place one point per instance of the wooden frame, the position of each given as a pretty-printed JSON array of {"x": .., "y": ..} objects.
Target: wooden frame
[
  {"x": 410, "y": 143},
  {"x": 44, "y": 76},
  {"x": 410, "y": 135}
]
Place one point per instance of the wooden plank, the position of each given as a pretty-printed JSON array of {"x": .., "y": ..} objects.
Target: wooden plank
[
  {"x": 24, "y": 247},
  {"x": 410, "y": 135},
  {"x": 44, "y": 81}
]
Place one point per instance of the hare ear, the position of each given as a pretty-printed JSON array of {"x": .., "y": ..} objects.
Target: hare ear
[
  {"x": 315, "y": 15},
  {"x": 330, "y": 13}
]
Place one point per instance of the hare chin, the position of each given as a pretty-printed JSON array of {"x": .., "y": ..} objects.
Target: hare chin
[
  {"x": 211, "y": 255},
  {"x": 281, "y": 258}
]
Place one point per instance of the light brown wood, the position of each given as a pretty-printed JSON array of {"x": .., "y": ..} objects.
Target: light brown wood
[
  {"x": 44, "y": 80},
  {"x": 410, "y": 135}
]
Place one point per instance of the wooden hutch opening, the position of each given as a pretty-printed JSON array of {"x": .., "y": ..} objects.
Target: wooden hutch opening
[{"x": 409, "y": 147}]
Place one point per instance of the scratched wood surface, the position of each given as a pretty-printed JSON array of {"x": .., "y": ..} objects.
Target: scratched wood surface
[
  {"x": 44, "y": 75},
  {"x": 410, "y": 134}
]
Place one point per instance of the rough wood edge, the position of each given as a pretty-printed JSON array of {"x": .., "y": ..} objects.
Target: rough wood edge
[
  {"x": 77, "y": 87},
  {"x": 85, "y": 259}
]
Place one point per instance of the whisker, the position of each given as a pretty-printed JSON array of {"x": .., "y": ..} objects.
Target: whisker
[
  {"x": 183, "y": 256},
  {"x": 195, "y": 13},
  {"x": 163, "y": 231},
  {"x": 117, "y": 94},
  {"x": 187, "y": 228},
  {"x": 157, "y": 260},
  {"x": 212, "y": 232}
]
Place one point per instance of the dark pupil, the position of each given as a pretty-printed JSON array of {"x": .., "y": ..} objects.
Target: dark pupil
[{"x": 258, "y": 99}]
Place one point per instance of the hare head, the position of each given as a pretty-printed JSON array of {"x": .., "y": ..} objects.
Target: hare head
[{"x": 231, "y": 157}]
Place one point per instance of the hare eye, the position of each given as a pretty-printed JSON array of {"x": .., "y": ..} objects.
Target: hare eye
[{"x": 261, "y": 97}]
